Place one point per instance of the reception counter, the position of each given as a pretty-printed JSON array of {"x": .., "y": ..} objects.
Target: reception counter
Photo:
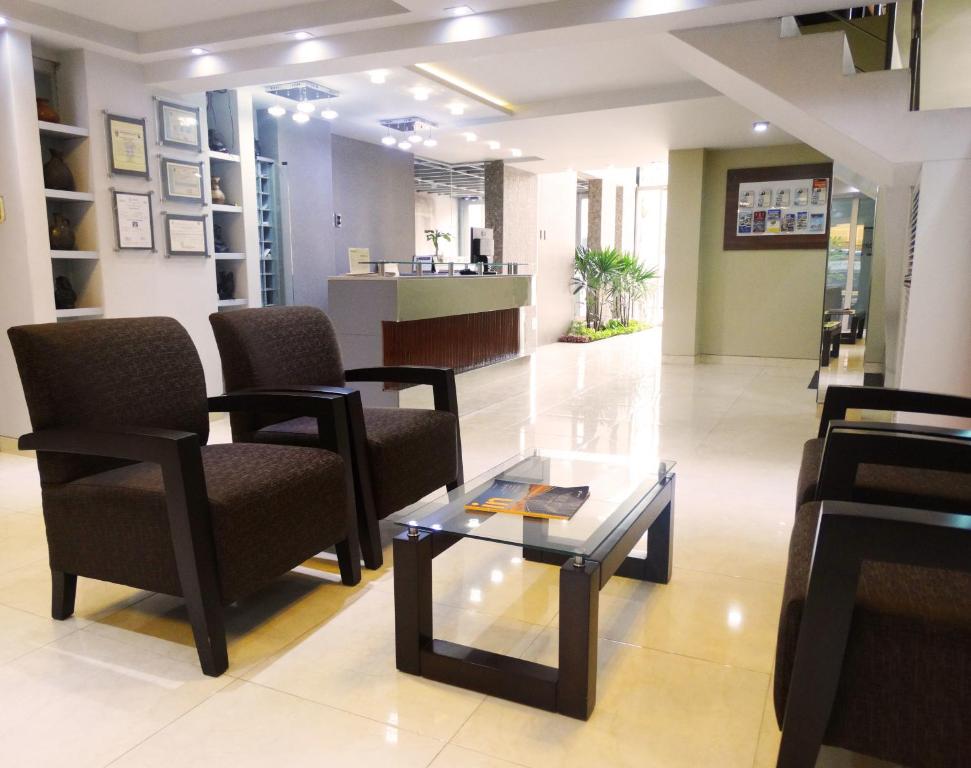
[{"x": 456, "y": 322}]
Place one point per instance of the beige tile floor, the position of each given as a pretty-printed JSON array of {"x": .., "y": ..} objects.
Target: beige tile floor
[{"x": 685, "y": 669}]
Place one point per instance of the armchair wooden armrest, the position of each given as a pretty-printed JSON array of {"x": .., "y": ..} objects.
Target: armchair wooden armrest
[
  {"x": 441, "y": 380},
  {"x": 840, "y": 398}
]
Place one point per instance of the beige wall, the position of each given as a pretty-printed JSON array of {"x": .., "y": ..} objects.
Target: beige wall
[{"x": 945, "y": 55}]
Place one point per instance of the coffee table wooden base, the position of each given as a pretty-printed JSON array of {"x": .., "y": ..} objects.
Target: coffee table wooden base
[{"x": 570, "y": 688}]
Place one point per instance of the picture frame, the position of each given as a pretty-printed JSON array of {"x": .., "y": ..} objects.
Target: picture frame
[
  {"x": 127, "y": 146},
  {"x": 182, "y": 181},
  {"x": 186, "y": 235},
  {"x": 771, "y": 208},
  {"x": 134, "y": 221},
  {"x": 179, "y": 126}
]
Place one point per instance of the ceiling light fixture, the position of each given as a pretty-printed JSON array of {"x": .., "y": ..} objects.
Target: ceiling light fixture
[
  {"x": 389, "y": 140},
  {"x": 760, "y": 126},
  {"x": 447, "y": 78},
  {"x": 459, "y": 10},
  {"x": 277, "y": 111},
  {"x": 421, "y": 93},
  {"x": 306, "y": 106},
  {"x": 493, "y": 144},
  {"x": 431, "y": 143},
  {"x": 301, "y": 35},
  {"x": 378, "y": 76},
  {"x": 456, "y": 109},
  {"x": 469, "y": 136},
  {"x": 199, "y": 51},
  {"x": 329, "y": 114},
  {"x": 415, "y": 138},
  {"x": 301, "y": 117},
  {"x": 3, "y": 21},
  {"x": 516, "y": 152},
  {"x": 404, "y": 145}
]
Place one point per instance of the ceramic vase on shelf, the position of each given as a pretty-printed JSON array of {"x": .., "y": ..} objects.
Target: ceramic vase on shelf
[
  {"x": 56, "y": 173},
  {"x": 225, "y": 285},
  {"x": 46, "y": 112},
  {"x": 61, "y": 233},
  {"x": 65, "y": 296},
  {"x": 218, "y": 196}
]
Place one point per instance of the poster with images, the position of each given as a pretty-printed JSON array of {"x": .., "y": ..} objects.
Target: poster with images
[
  {"x": 744, "y": 223},
  {"x": 773, "y": 221},
  {"x": 817, "y": 222},
  {"x": 758, "y": 222},
  {"x": 788, "y": 207},
  {"x": 782, "y": 198},
  {"x": 765, "y": 198}
]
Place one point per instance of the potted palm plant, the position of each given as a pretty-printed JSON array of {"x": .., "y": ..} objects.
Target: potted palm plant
[{"x": 434, "y": 236}]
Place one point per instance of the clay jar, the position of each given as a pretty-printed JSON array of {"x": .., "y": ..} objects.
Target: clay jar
[
  {"x": 218, "y": 196},
  {"x": 61, "y": 233},
  {"x": 56, "y": 173},
  {"x": 46, "y": 112}
]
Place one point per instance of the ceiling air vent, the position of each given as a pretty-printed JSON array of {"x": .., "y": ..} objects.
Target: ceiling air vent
[{"x": 302, "y": 90}]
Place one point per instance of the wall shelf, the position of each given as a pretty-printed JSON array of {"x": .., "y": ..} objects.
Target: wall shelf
[
  {"x": 230, "y": 303},
  {"x": 224, "y": 157},
  {"x": 73, "y": 197},
  {"x": 229, "y": 256},
  {"x": 217, "y": 208},
  {"x": 67, "y": 314},
  {"x": 74, "y": 254},
  {"x": 62, "y": 131}
]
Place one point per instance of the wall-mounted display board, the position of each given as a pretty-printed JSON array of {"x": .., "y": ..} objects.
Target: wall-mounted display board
[
  {"x": 182, "y": 181},
  {"x": 779, "y": 207},
  {"x": 127, "y": 150},
  {"x": 186, "y": 235},
  {"x": 178, "y": 126},
  {"x": 134, "y": 230}
]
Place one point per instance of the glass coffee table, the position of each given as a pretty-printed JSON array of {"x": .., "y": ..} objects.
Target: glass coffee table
[{"x": 627, "y": 498}]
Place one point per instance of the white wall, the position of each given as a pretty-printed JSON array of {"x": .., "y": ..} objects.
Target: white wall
[
  {"x": 436, "y": 212},
  {"x": 556, "y": 220},
  {"x": 945, "y": 55}
]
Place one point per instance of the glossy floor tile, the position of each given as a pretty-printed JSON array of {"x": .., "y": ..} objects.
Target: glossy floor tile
[{"x": 685, "y": 669}]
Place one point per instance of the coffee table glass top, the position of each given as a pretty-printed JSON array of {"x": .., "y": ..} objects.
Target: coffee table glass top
[{"x": 618, "y": 486}]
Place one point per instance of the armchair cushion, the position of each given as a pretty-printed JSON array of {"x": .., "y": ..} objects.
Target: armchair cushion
[
  {"x": 906, "y": 678},
  {"x": 896, "y": 486},
  {"x": 268, "y": 508},
  {"x": 412, "y": 451}
]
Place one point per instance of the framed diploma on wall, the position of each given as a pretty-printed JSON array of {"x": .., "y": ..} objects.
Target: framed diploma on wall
[
  {"x": 186, "y": 235},
  {"x": 182, "y": 181},
  {"x": 134, "y": 227},
  {"x": 778, "y": 208},
  {"x": 127, "y": 149},
  {"x": 178, "y": 126}
]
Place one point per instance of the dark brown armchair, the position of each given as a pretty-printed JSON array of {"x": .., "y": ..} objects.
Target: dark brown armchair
[
  {"x": 133, "y": 495},
  {"x": 874, "y": 648},
  {"x": 400, "y": 454}
]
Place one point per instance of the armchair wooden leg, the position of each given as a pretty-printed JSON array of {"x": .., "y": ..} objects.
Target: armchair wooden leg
[
  {"x": 64, "y": 588},
  {"x": 349, "y": 561},
  {"x": 209, "y": 632}
]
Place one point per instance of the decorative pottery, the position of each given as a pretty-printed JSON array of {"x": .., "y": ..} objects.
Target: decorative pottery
[
  {"x": 226, "y": 285},
  {"x": 46, "y": 112},
  {"x": 61, "y": 233},
  {"x": 217, "y": 240},
  {"x": 65, "y": 296},
  {"x": 216, "y": 143},
  {"x": 56, "y": 173},
  {"x": 218, "y": 196}
]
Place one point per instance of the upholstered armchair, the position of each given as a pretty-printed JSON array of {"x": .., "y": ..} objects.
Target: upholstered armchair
[
  {"x": 132, "y": 493},
  {"x": 400, "y": 454},
  {"x": 874, "y": 647}
]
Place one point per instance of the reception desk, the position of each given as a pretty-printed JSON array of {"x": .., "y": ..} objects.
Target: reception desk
[{"x": 455, "y": 322}]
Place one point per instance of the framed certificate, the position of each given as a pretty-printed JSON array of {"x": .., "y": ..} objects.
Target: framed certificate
[
  {"x": 127, "y": 150},
  {"x": 134, "y": 228},
  {"x": 182, "y": 181},
  {"x": 178, "y": 126},
  {"x": 186, "y": 235}
]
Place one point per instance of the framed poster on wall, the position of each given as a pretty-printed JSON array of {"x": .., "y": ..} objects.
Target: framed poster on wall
[
  {"x": 127, "y": 150},
  {"x": 778, "y": 208},
  {"x": 178, "y": 126},
  {"x": 134, "y": 228},
  {"x": 186, "y": 235},
  {"x": 181, "y": 181}
]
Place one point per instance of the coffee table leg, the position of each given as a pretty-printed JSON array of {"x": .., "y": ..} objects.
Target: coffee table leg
[
  {"x": 656, "y": 566},
  {"x": 412, "y": 598},
  {"x": 576, "y": 689}
]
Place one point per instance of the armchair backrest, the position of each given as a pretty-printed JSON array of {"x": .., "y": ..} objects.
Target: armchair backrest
[
  {"x": 103, "y": 374},
  {"x": 274, "y": 346}
]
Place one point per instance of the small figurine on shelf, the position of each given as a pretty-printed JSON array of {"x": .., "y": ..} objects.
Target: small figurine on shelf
[
  {"x": 218, "y": 196},
  {"x": 61, "y": 233},
  {"x": 217, "y": 240},
  {"x": 225, "y": 285},
  {"x": 216, "y": 143},
  {"x": 64, "y": 295},
  {"x": 56, "y": 173}
]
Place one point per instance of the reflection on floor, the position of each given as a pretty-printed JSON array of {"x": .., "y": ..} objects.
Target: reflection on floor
[
  {"x": 685, "y": 669},
  {"x": 844, "y": 370}
]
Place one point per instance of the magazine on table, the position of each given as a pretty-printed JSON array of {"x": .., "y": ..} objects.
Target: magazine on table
[{"x": 529, "y": 500}]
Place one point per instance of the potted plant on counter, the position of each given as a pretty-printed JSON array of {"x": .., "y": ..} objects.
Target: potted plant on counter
[{"x": 434, "y": 236}]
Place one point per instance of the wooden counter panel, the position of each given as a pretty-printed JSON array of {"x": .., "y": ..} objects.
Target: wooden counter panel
[{"x": 461, "y": 342}]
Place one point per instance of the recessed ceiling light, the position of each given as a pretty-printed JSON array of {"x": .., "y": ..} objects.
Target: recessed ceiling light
[
  {"x": 378, "y": 76},
  {"x": 431, "y": 143},
  {"x": 404, "y": 145},
  {"x": 516, "y": 152},
  {"x": 388, "y": 141},
  {"x": 306, "y": 106},
  {"x": 760, "y": 126},
  {"x": 301, "y": 35},
  {"x": 199, "y": 51},
  {"x": 329, "y": 114},
  {"x": 421, "y": 93},
  {"x": 459, "y": 10},
  {"x": 493, "y": 144},
  {"x": 277, "y": 111},
  {"x": 456, "y": 109},
  {"x": 301, "y": 117},
  {"x": 469, "y": 136},
  {"x": 3, "y": 21}
]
